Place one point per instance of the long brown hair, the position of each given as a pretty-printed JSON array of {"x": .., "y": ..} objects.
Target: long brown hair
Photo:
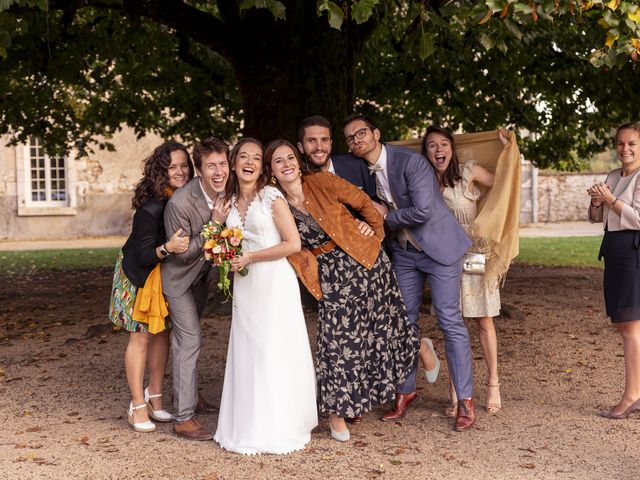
[
  {"x": 268, "y": 156},
  {"x": 155, "y": 180},
  {"x": 233, "y": 187},
  {"x": 452, "y": 174}
]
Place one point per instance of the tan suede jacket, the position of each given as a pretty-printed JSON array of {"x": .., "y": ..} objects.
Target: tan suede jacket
[{"x": 327, "y": 197}]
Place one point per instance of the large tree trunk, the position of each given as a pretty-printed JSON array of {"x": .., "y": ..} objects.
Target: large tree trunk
[{"x": 289, "y": 70}]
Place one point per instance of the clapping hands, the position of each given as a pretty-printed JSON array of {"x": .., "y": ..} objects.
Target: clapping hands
[{"x": 600, "y": 192}]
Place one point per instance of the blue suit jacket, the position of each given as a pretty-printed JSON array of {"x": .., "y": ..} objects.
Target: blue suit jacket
[
  {"x": 421, "y": 208},
  {"x": 355, "y": 171}
]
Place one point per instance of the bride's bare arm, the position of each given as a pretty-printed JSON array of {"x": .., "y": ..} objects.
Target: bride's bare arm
[{"x": 290, "y": 243}]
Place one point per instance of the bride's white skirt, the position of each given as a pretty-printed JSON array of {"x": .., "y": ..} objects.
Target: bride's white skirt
[{"x": 268, "y": 398}]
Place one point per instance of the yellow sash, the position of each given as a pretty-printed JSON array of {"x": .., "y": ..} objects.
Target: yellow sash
[{"x": 150, "y": 306}]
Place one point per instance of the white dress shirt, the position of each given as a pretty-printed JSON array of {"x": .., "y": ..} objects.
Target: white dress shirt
[
  {"x": 206, "y": 197},
  {"x": 384, "y": 191}
]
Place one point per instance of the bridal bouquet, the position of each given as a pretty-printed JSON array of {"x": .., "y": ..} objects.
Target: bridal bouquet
[{"x": 221, "y": 246}]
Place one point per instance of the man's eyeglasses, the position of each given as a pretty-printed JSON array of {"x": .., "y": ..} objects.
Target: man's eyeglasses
[{"x": 360, "y": 134}]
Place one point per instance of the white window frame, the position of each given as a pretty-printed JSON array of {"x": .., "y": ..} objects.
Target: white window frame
[{"x": 29, "y": 207}]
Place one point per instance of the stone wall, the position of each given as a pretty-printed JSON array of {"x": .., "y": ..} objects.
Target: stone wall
[{"x": 563, "y": 197}]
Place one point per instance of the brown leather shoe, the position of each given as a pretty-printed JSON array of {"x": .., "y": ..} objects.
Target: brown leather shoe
[
  {"x": 466, "y": 416},
  {"x": 192, "y": 430},
  {"x": 354, "y": 420},
  {"x": 203, "y": 407},
  {"x": 403, "y": 400}
]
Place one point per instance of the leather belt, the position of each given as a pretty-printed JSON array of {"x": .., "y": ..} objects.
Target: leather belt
[{"x": 324, "y": 248}]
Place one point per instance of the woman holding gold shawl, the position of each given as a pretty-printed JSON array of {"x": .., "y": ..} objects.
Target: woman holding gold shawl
[
  {"x": 167, "y": 169},
  {"x": 480, "y": 295}
]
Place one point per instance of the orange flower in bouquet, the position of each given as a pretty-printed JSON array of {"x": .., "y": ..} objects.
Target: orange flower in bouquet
[{"x": 220, "y": 247}]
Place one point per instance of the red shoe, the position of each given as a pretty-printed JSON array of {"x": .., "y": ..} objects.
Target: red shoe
[
  {"x": 466, "y": 416},
  {"x": 403, "y": 401}
]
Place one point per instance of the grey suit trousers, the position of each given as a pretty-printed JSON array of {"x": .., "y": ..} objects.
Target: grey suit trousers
[{"x": 185, "y": 311}]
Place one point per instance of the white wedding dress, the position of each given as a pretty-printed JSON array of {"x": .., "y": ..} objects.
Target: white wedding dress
[{"x": 268, "y": 397}]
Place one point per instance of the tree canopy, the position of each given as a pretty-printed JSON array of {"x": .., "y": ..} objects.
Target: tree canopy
[{"x": 561, "y": 71}]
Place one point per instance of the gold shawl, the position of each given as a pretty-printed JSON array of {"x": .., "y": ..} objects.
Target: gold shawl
[{"x": 495, "y": 230}]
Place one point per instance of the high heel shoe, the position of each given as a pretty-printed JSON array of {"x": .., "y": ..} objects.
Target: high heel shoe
[
  {"x": 342, "y": 436},
  {"x": 493, "y": 407},
  {"x": 159, "y": 415},
  {"x": 147, "y": 426},
  {"x": 431, "y": 375},
  {"x": 634, "y": 407}
]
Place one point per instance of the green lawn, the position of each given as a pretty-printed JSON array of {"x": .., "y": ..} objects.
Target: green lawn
[
  {"x": 71, "y": 259},
  {"x": 560, "y": 251},
  {"x": 568, "y": 251}
]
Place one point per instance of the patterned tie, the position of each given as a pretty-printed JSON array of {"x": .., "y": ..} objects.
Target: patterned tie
[{"x": 374, "y": 168}]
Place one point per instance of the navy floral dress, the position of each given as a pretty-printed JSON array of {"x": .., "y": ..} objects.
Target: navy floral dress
[{"x": 366, "y": 345}]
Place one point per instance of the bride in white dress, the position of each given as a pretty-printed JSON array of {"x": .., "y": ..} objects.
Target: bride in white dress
[{"x": 268, "y": 398}]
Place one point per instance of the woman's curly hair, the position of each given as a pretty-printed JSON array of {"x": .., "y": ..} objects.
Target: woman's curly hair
[{"x": 155, "y": 180}]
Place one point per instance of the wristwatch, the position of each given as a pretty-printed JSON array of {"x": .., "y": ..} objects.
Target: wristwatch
[{"x": 164, "y": 251}]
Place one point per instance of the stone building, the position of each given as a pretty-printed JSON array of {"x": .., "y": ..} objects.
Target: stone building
[{"x": 65, "y": 197}]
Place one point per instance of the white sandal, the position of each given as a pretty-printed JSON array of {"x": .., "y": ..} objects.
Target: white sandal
[
  {"x": 158, "y": 415},
  {"x": 147, "y": 426}
]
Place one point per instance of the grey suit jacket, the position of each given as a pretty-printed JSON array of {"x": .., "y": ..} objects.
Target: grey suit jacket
[
  {"x": 421, "y": 208},
  {"x": 187, "y": 209}
]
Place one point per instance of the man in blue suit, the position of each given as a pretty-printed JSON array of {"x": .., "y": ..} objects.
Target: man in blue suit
[
  {"x": 428, "y": 244},
  {"x": 314, "y": 142}
]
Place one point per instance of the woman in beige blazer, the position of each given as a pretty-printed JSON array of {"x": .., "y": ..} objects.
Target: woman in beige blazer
[{"x": 616, "y": 203}]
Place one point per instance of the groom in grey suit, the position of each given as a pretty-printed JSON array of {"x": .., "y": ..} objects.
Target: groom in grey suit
[
  {"x": 428, "y": 244},
  {"x": 184, "y": 277}
]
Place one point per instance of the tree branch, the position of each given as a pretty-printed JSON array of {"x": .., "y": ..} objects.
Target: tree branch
[{"x": 200, "y": 26}]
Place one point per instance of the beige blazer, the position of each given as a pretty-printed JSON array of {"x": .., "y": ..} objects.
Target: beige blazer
[
  {"x": 626, "y": 189},
  {"x": 187, "y": 209}
]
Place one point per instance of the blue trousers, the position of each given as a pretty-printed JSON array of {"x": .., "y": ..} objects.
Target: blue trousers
[{"x": 412, "y": 269}]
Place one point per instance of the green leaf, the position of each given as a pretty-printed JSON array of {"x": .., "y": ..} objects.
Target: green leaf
[
  {"x": 426, "y": 46},
  {"x": 495, "y": 5},
  {"x": 5, "y": 39},
  {"x": 522, "y": 8},
  {"x": 513, "y": 28},
  {"x": 276, "y": 8},
  {"x": 361, "y": 11},
  {"x": 6, "y": 4},
  {"x": 336, "y": 15},
  {"x": 486, "y": 42}
]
